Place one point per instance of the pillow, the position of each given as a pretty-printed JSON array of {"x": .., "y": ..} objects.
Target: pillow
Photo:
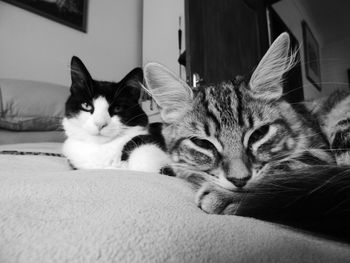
[{"x": 31, "y": 105}]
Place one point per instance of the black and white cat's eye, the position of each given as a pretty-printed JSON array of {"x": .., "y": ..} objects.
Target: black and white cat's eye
[
  {"x": 117, "y": 109},
  {"x": 87, "y": 107}
]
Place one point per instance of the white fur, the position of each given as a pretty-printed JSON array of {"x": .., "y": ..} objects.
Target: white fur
[
  {"x": 96, "y": 141},
  {"x": 84, "y": 154},
  {"x": 148, "y": 158},
  {"x": 85, "y": 126}
]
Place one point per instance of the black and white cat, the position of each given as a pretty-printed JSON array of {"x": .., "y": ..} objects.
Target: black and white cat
[{"x": 106, "y": 127}]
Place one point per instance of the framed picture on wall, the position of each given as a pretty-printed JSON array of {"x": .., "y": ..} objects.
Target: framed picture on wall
[
  {"x": 312, "y": 57},
  {"x": 72, "y": 13}
]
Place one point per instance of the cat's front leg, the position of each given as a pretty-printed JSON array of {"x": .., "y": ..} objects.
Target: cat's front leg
[
  {"x": 117, "y": 164},
  {"x": 214, "y": 199}
]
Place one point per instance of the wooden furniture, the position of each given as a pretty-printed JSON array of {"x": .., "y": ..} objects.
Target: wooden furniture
[{"x": 224, "y": 38}]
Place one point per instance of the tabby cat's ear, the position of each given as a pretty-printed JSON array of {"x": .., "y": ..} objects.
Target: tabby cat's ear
[
  {"x": 133, "y": 81},
  {"x": 80, "y": 76},
  {"x": 266, "y": 80},
  {"x": 172, "y": 94}
]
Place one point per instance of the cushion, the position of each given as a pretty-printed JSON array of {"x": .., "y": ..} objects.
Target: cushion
[
  {"x": 27, "y": 105},
  {"x": 49, "y": 213}
]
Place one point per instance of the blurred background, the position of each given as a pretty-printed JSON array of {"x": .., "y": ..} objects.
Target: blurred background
[{"x": 219, "y": 39}]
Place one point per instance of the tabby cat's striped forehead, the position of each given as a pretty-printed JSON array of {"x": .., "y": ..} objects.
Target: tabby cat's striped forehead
[
  {"x": 229, "y": 103},
  {"x": 222, "y": 100}
]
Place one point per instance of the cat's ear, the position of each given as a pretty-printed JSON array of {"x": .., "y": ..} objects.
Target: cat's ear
[
  {"x": 172, "y": 94},
  {"x": 266, "y": 80},
  {"x": 80, "y": 76},
  {"x": 133, "y": 81}
]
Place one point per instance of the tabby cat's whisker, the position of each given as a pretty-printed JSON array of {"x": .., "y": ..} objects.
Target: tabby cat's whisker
[
  {"x": 327, "y": 83},
  {"x": 309, "y": 136},
  {"x": 334, "y": 208},
  {"x": 133, "y": 118},
  {"x": 290, "y": 91}
]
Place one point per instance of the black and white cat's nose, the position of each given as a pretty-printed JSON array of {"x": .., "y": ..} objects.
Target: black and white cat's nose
[
  {"x": 101, "y": 125},
  {"x": 239, "y": 182}
]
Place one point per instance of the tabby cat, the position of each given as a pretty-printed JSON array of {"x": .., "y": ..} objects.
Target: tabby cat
[
  {"x": 248, "y": 152},
  {"x": 106, "y": 127}
]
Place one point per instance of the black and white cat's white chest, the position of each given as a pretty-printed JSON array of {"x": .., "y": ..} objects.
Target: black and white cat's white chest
[
  {"x": 86, "y": 151},
  {"x": 105, "y": 126}
]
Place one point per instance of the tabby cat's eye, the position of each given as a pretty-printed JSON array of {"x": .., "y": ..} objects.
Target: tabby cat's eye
[
  {"x": 86, "y": 107},
  {"x": 202, "y": 143},
  {"x": 259, "y": 133}
]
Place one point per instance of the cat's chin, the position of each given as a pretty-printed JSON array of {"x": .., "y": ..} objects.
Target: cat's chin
[
  {"x": 94, "y": 138},
  {"x": 102, "y": 136},
  {"x": 100, "y": 139},
  {"x": 226, "y": 184}
]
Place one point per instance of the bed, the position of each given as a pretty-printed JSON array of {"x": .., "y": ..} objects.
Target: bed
[{"x": 50, "y": 213}]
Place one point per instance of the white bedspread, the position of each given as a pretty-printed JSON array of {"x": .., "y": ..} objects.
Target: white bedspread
[{"x": 49, "y": 213}]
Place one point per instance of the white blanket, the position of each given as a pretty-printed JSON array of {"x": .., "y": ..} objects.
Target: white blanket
[{"x": 49, "y": 213}]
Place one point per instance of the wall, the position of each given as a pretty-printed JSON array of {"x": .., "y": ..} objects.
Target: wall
[
  {"x": 292, "y": 13},
  {"x": 160, "y": 40},
  {"x": 336, "y": 56},
  {"x": 160, "y": 32},
  {"x": 36, "y": 48}
]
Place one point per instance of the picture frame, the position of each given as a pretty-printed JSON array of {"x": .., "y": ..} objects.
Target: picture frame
[
  {"x": 72, "y": 13},
  {"x": 311, "y": 56}
]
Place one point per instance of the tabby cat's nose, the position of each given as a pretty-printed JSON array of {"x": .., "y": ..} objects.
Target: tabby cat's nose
[{"x": 239, "y": 182}]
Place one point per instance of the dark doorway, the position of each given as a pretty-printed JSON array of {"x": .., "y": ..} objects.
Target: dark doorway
[
  {"x": 224, "y": 38},
  {"x": 293, "y": 84},
  {"x": 227, "y": 38}
]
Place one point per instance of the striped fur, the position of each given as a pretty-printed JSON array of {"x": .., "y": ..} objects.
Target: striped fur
[{"x": 248, "y": 152}]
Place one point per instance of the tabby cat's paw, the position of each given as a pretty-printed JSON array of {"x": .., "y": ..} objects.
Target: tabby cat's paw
[{"x": 213, "y": 199}]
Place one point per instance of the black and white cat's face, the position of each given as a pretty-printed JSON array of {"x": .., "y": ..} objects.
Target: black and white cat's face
[{"x": 99, "y": 110}]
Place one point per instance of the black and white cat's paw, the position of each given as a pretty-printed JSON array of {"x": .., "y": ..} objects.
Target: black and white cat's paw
[{"x": 214, "y": 199}]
